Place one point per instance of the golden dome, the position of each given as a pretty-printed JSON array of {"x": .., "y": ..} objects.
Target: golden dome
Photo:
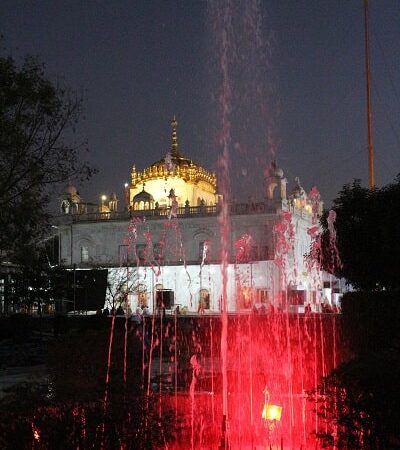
[{"x": 174, "y": 164}]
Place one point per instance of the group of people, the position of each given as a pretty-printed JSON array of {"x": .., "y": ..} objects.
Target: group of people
[
  {"x": 263, "y": 309},
  {"x": 141, "y": 310},
  {"x": 329, "y": 309},
  {"x": 325, "y": 308},
  {"x": 307, "y": 308},
  {"x": 270, "y": 309}
]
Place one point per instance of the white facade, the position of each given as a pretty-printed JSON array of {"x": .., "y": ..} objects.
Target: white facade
[
  {"x": 168, "y": 253},
  {"x": 187, "y": 282}
]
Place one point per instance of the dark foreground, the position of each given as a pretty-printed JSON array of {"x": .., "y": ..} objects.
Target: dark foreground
[{"x": 162, "y": 386}]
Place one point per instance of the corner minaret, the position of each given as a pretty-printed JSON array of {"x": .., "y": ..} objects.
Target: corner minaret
[{"x": 275, "y": 183}]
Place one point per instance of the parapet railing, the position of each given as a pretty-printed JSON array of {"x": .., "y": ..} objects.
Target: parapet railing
[{"x": 184, "y": 211}]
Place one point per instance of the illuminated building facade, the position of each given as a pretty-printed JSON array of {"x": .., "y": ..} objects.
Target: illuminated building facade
[{"x": 163, "y": 249}]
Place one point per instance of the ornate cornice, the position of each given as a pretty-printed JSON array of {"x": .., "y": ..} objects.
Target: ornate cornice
[{"x": 184, "y": 169}]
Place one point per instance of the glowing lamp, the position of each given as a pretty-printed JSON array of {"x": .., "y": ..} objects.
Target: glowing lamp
[
  {"x": 36, "y": 435},
  {"x": 126, "y": 185},
  {"x": 272, "y": 412},
  {"x": 104, "y": 198}
]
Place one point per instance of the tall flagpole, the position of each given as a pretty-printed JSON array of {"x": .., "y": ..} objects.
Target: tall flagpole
[{"x": 371, "y": 168}]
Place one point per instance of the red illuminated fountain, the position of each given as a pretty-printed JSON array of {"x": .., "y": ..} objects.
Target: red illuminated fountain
[
  {"x": 243, "y": 383},
  {"x": 232, "y": 381},
  {"x": 240, "y": 381},
  {"x": 249, "y": 374}
]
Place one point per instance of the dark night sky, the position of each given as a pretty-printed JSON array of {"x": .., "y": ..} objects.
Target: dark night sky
[{"x": 297, "y": 82}]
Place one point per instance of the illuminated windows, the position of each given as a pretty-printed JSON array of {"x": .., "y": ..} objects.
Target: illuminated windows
[
  {"x": 204, "y": 300},
  {"x": 262, "y": 296},
  {"x": 142, "y": 296},
  {"x": 84, "y": 254}
]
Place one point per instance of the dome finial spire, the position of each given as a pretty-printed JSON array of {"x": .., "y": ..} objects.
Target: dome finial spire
[{"x": 174, "y": 147}]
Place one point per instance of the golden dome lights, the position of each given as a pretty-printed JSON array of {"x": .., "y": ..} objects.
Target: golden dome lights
[{"x": 190, "y": 181}]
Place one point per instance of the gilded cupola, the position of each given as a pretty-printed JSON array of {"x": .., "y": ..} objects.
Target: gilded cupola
[{"x": 190, "y": 182}]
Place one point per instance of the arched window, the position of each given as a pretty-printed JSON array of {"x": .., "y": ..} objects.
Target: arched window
[
  {"x": 204, "y": 300},
  {"x": 244, "y": 297},
  {"x": 84, "y": 254},
  {"x": 142, "y": 296}
]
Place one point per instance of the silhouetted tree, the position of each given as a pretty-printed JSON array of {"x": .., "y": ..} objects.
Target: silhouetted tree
[
  {"x": 35, "y": 118},
  {"x": 359, "y": 400},
  {"x": 359, "y": 403},
  {"x": 367, "y": 226},
  {"x": 37, "y": 281}
]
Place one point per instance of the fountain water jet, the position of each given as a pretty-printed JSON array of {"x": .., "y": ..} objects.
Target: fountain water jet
[{"x": 243, "y": 356}]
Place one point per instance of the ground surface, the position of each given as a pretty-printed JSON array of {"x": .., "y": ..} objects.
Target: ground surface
[{"x": 22, "y": 361}]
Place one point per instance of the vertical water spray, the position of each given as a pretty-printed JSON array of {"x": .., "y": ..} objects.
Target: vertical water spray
[
  {"x": 225, "y": 38},
  {"x": 126, "y": 324}
]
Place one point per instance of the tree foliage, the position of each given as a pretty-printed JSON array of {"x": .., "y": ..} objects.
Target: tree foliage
[
  {"x": 358, "y": 401},
  {"x": 37, "y": 282},
  {"x": 367, "y": 226},
  {"x": 36, "y": 117}
]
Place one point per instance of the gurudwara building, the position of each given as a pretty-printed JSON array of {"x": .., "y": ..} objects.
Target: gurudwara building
[{"x": 160, "y": 246}]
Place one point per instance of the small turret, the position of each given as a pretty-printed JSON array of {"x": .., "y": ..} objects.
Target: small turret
[
  {"x": 71, "y": 201},
  {"x": 275, "y": 183},
  {"x": 143, "y": 200},
  {"x": 113, "y": 202}
]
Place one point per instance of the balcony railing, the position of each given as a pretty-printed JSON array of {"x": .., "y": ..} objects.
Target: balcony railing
[{"x": 184, "y": 211}]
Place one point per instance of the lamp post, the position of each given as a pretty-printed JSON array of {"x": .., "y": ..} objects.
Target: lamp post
[
  {"x": 271, "y": 414},
  {"x": 103, "y": 199},
  {"x": 126, "y": 186},
  {"x": 74, "y": 268}
]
